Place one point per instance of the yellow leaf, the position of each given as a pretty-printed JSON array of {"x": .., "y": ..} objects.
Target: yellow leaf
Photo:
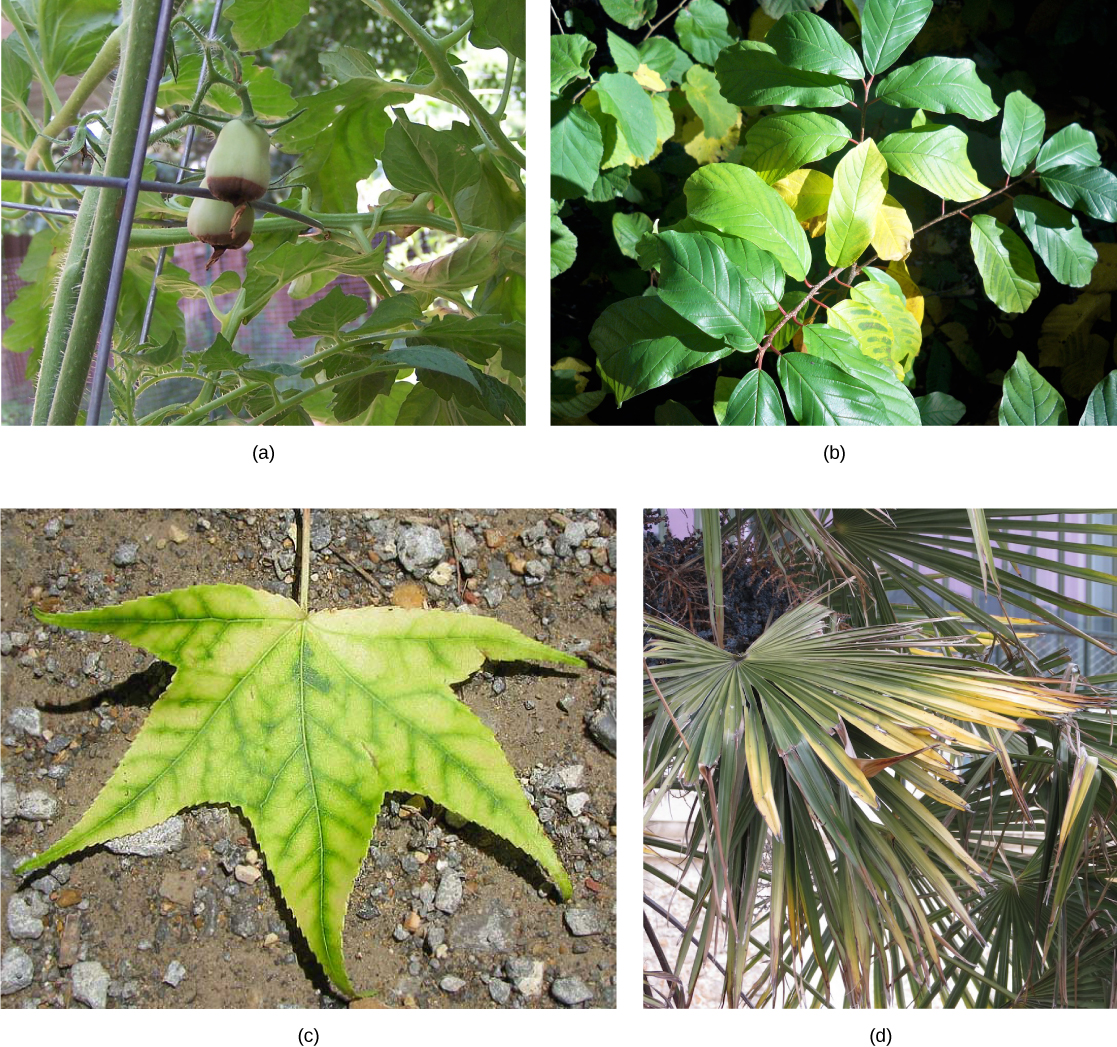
[
  {"x": 815, "y": 226},
  {"x": 649, "y": 79},
  {"x": 1066, "y": 327},
  {"x": 1104, "y": 276},
  {"x": 759, "y": 24},
  {"x": 806, "y": 192},
  {"x": 873, "y": 332},
  {"x": 906, "y": 335},
  {"x": 893, "y": 233},
  {"x": 913, "y": 297},
  {"x": 706, "y": 150}
]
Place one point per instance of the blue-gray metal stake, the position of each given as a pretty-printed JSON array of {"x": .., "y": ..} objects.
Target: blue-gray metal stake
[
  {"x": 188, "y": 146},
  {"x": 131, "y": 198}
]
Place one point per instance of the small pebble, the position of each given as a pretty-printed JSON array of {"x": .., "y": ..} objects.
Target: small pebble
[
  {"x": 451, "y": 983},
  {"x": 501, "y": 992},
  {"x": 570, "y": 991},
  {"x": 576, "y": 803},
  {"x": 159, "y": 839},
  {"x": 175, "y": 973},
  {"x": 26, "y": 718},
  {"x": 90, "y": 983},
  {"x": 25, "y": 912},
  {"x": 248, "y": 874},
  {"x": 37, "y": 806},
  {"x": 449, "y": 896},
  {"x": 581, "y": 922},
  {"x": 125, "y": 556},
  {"x": 16, "y": 971}
]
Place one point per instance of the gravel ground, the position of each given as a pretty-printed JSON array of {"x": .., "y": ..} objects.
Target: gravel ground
[{"x": 441, "y": 915}]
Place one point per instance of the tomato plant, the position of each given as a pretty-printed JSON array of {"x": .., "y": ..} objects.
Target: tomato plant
[{"x": 440, "y": 341}]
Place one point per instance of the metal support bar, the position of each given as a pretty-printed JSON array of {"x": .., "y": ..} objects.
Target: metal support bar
[
  {"x": 169, "y": 188},
  {"x": 131, "y": 197}
]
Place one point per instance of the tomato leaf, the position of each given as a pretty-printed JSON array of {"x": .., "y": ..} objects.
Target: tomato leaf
[{"x": 305, "y": 721}]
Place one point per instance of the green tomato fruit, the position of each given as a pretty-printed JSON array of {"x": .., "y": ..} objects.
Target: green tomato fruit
[
  {"x": 216, "y": 223},
  {"x": 239, "y": 167}
]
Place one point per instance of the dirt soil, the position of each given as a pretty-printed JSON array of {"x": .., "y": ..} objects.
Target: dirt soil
[{"x": 183, "y": 914}]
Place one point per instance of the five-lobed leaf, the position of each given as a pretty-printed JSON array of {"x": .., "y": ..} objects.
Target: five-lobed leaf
[
  {"x": 305, "y": 721},
  {"x": 1058, "y": 240},
  {"x": 940, "y": 85},
  {"x": 1021, "y": 132},
  {"x": 736, "y": 200},
  {"x": 887, "y": 27},
  {"x": 1029, "y": 398},
  {"x": 1007, "y": 268},
  {"x": 805, "y": 41},
  {"x": 860, "y": 185},
  {"x": 750, "y": 74},
  {"x": 934, "y": 157}
]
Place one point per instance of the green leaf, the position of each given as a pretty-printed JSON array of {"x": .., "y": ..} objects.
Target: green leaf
[
  {"x": 1073, "y": 146},
  {"x": 1058, "y": 240},
  {"x": 624, "y": 55},
  {"x": 777, "y": 145},
  {"x": 354, "y": 397},
  {"x": 751, "y": 74},
  {"x": 698, "y": 281},
  {"x": 703, "y": 29},
  {"x": 1007, "y": 268},
  {"x": 564, "y": 247},
  {"x": 869, "y": 327},
  {"x": 934, "y": 157},
  {"x": 1101, "y": 407},
  {"x": 499, "y": 23},
  {"x": 735, "y": 200},
  {"x": 805, "y": 41},
  {"x": 941, "y": 85},
  {"x": 328, "y": 315},
  {"x": 860, "y": 185},
  {"x": 705, "y": 98},
  {"x": 1029, "y": 399},
  {"x": 821, "y": 393},
  {"x": 666, "y": 58},
  {"x": 887, "y": 27},
  {"x": 260, "y": 23},
  {"x": 628, "y": 229},
  {"x": 760, "y": 269},
  {"x": 776, "y": 9},
  {"x": 671, "y": 412},
  {"x": 842, "y": 350},
  {"x": 570, "y": 60},
  {"x": 641, "y": 344},
  {"x": 1089, "y": 189},
  {"x": 939, "y": 408},
  {"x": 576, "y": 150},
  {"x": 755, "y": 401},
  {"x": 630, "y": 13},
  {"x": 622, "y": 98},
  {"x": 304, "y": 722},
  {"x": 1021, "y": 132},
  {"x": 420, "y": 159}
]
